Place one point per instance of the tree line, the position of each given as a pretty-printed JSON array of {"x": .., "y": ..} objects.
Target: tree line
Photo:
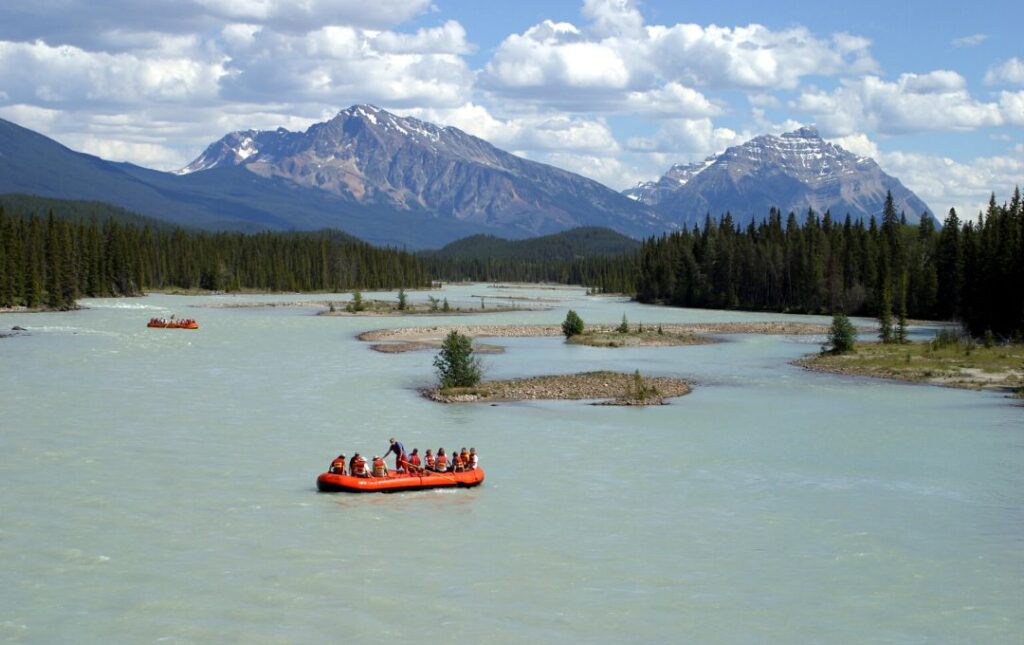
[
  {"x": 49, "y": 262},
  {"x": 969, "y": 271},
  {"x": 614, "y": 274}
]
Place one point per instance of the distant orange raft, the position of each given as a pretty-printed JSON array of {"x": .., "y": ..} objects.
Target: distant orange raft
[
  {"x": 395, "y": 482},
  {"x": 173, "y": 324}
]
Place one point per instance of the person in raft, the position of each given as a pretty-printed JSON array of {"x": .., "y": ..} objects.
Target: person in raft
[
  {"x": 358, "y": 466},
  {"x": 380, "y": 469},
  {"x": 429, "y": 458},
  {"x": 474, "y": 461},
  {"x": 441, "y": 461},
  {"x": 415, "y": 464},
  {"x": 399, "y": 450},
  {"x": 338, "y": 465}
]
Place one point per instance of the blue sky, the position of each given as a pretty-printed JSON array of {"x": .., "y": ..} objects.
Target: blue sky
[{"x": 614, "y": 89}]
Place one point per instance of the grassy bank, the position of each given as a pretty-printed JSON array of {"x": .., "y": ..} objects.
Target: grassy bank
[{"x": 962, "y": 364}]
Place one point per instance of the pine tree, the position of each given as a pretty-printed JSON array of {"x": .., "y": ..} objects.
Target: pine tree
[
  {"x": 885, "y": 315},
  {"x": 841, "y": 335},
  {"x": 901, "y": 324},
  {"x": 456, "y": 364},
  {"x": 572, "y": 325}
]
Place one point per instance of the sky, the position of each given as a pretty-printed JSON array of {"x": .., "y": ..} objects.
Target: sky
[{"x": 617, "y": 90}]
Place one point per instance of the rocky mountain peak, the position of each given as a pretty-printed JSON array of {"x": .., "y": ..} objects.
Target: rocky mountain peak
[{"x": 794, "y": 171}]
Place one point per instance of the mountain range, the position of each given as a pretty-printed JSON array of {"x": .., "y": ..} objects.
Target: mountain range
[
  {"x": 793, "y": 172},
  {"x": 405, "y": 182}
]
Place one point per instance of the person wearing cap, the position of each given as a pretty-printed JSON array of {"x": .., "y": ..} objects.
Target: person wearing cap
[
  {"x": 338, "y": 465},
  {"x": 399, "y": 450},
  {"x": 358, "y": 466},
  {"x": 380, "y": 469}
]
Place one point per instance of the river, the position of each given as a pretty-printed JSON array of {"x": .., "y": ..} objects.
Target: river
[{"x": 159, "y": 485}]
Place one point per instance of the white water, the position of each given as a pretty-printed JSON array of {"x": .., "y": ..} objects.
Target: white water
[{"x": 159, "y": 485}]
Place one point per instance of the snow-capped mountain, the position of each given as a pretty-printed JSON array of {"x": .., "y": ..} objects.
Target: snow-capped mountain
[
  {"x": 371, "y": 157},
  {"x": 793, "y": 172}
]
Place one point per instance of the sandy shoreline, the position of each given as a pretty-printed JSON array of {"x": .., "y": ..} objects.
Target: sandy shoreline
[
  {"x": 610, "y": 388},
  {"x": 404, "y": 339}
]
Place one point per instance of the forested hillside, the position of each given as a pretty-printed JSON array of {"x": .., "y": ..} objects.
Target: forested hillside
[
  {"x": 50, "y": 262},
  {"x": 970, "y": 271}
]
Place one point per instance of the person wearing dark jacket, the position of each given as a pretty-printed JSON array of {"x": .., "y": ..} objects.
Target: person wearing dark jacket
[{"x": 399, "y": 450}]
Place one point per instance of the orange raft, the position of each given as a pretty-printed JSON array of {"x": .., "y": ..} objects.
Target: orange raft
[
  {"x": 173, "y": 324},
  {"x": 395, "y": 482}
]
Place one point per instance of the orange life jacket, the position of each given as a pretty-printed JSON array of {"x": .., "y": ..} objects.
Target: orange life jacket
[
  {"x": 338, "y": 466},
  {"x": 430, "y": 461},
  {"x": 414, "y": 461},
  {"x": 359, "y": 466},
  {"x": 441, "y": 461},
  {"x": 380, "y": 469}
]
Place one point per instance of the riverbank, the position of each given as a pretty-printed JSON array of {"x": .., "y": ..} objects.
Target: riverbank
[
  {"x": 960, "y": 365},
  {"x": 408, "y": 339},
  {"x": 612, "y": 388}
]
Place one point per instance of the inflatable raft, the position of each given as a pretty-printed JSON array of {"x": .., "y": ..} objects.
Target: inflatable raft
[
  {"x": 394, "y": 482},
  {"x": 173, "y": 324}
]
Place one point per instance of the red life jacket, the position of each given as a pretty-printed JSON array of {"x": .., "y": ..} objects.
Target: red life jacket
[
  {"x": 380, "y": 469},
  {"x": 338, "y": 466},
  {"x": 358, "y": 466},
  {"x": 414, "y": 460},
  {"x": 441, "y": 461},
  {"x": 430, "y": 461}
]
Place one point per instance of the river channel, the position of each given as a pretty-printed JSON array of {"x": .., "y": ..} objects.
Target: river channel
[{"x": 159, "y": 486}]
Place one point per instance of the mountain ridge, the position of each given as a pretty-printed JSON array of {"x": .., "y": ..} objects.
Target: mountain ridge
[{"x": 794, "y": 172}]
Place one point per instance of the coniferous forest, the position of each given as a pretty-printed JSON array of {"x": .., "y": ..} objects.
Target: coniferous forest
[
  {"x": 50, "y": 262},
  {"x": 968, "y": 270},
  {"x": 971, "y": 271}
]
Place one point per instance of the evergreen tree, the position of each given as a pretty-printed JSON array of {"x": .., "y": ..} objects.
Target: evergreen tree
[
  {"x": 623, "y": 327},
  {"x": 885, "y": 315},
  {"x": 841, "y": 335},
  {"x": 901, "y": 324},
  {"x": 401, "y": 300},
  {"x": 456, "y": 364},
  {"x": 572, "y": 325}
]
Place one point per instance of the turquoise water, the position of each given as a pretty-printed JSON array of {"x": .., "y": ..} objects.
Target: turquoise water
[{"x": 159, "y": 485}]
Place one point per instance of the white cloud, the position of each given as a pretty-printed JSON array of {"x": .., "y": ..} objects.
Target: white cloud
[
  {"x": 606, "y": 169},
  {"x": 937, "y": 100},
  {"x": 944, "y": 183},
  {"x": 341, "y": 65},
  {"x": 858, "y": 144},
  {"x": 688, "y": 138},
  {"x": 1008, "y": 72},
  {"x": 39, "y": 73},
  {"x": 671, "y": 100},
  {"x": 969, "y": 41},
  {"x": 614, "y": 62},
  {"x": 528, "y": 133}
]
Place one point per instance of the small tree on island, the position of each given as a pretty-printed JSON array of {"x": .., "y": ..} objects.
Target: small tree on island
[
  {"x": 402, "y": 300},
  {"x": 841, "y": 335},
  {"x": 572, "y": 325},
  {"x": 356, "y": 303},
  {"x": 623, "y": 327},
  {"x": 456, "y": 365}
]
